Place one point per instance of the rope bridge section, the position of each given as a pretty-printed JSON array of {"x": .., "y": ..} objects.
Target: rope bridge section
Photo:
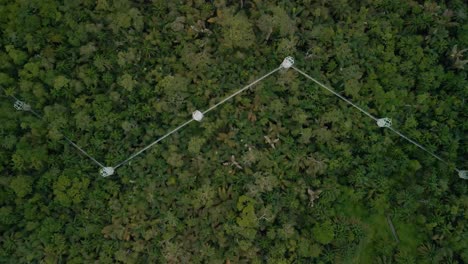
[{"x": 288, "y": 63}]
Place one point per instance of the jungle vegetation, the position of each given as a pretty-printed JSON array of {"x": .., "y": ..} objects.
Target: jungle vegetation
[{"x": 285, "y": 173}]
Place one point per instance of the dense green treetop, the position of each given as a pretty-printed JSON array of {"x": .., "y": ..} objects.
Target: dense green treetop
[{"x": 284, "y": 173}]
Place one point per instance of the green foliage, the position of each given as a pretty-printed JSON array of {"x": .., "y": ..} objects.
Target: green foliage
[
  {"x": 18, "y": 56},
  {"x": 195, "y": 144},
  {"x": 237, "y": 30},
  {"x": 60, "y": 82},
  {"x": 247, "y": 218},
  {"x": 276, "y": 21},
  {"x": 127, "y": 82},
  {"x": 70, "y": 191},
  {"x": 284, "y": 173},
  {"x": 21, "y": 185},
  {"x": 323, "y": 232}
]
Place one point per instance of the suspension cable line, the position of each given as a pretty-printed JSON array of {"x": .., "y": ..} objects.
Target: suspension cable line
[
  {"x": 197, "y": 115},
  {"x": 22, "y": 106},
  {"x": 383, "y": 122}
]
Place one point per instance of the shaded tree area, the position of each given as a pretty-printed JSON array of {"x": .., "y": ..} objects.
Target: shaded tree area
[{"x": 284, "y": 173}]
